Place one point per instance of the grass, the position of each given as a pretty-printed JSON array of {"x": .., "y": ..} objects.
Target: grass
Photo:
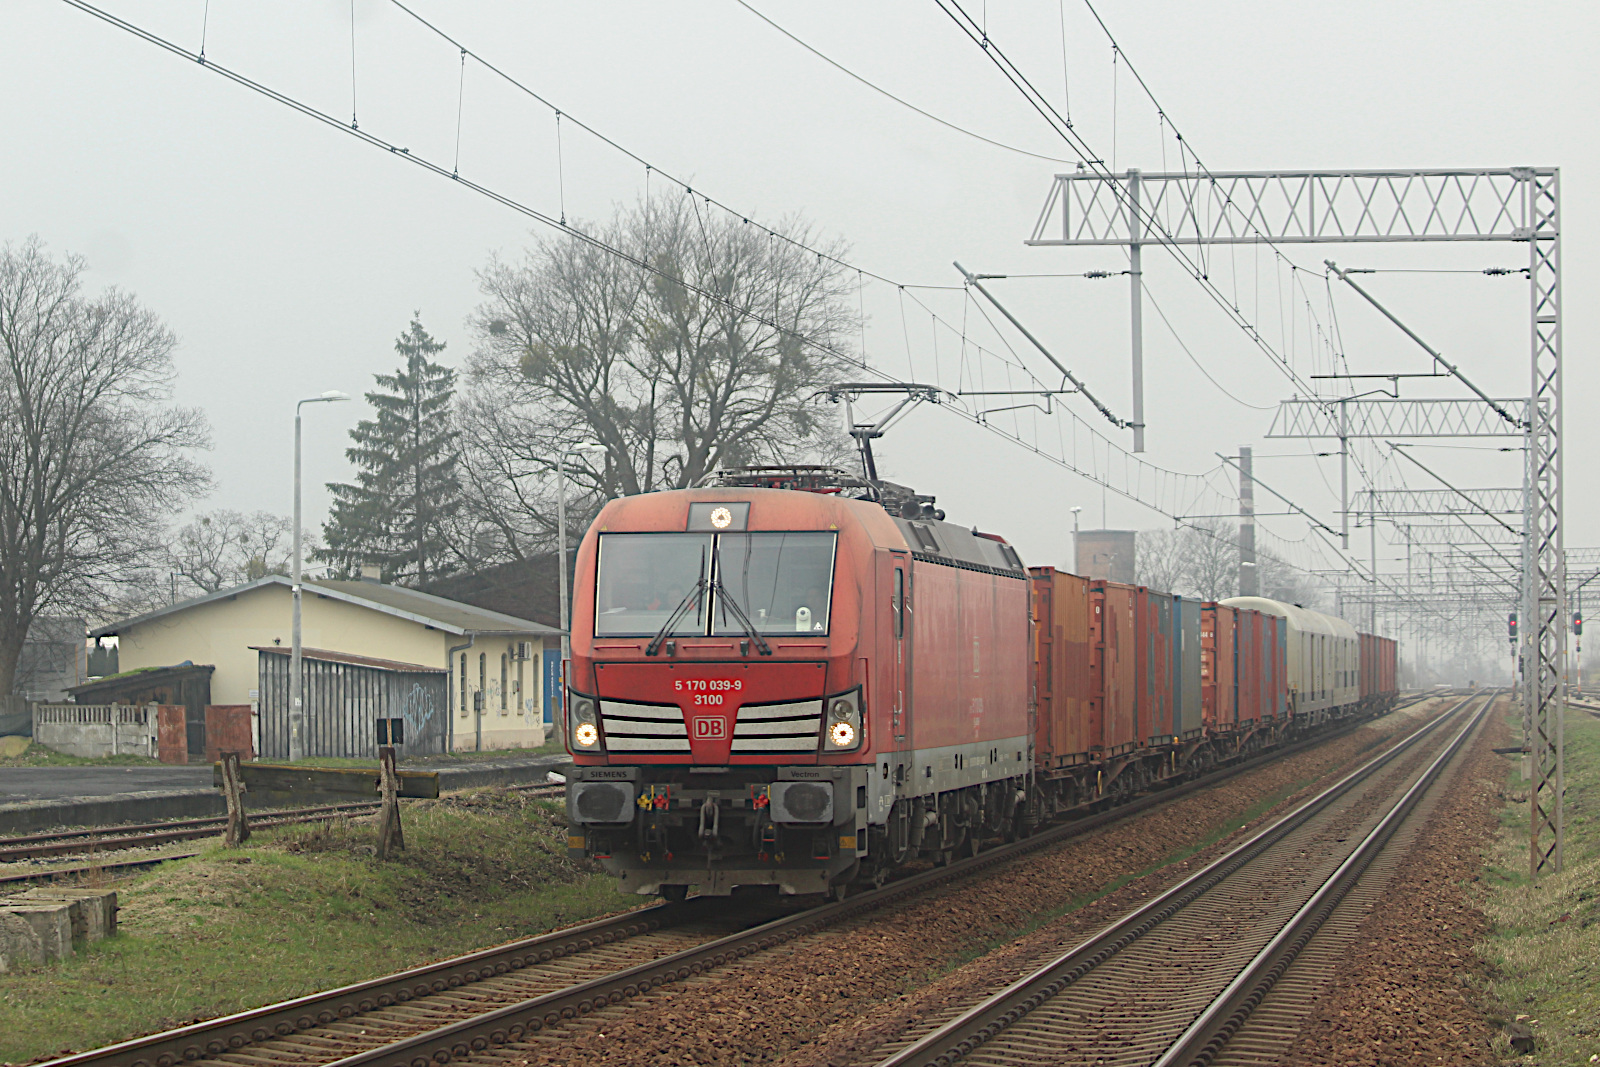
[
  {"x": 1545, "y": 945},
  {"x": 37, "y": 755},
  {"x": 302, "y": 909}
]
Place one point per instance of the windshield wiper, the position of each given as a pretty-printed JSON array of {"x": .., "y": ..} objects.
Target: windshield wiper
[
  {"x": 726, "y": 598},
  {"x": 689, "y": 598}
]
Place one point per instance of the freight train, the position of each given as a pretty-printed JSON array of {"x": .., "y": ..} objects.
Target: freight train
[{"x": 799, "y": 679}]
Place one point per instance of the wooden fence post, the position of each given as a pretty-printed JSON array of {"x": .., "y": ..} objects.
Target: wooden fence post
[
  {"x": 390, "y": 836},
  {"x": 233, "y": 790}
]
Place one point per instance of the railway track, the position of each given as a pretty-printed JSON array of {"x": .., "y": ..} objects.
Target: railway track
[
  {"x": 1221, "y": 967},
  {"x": 433, "y": 1014},
  {"x": 119, "y": 837}
]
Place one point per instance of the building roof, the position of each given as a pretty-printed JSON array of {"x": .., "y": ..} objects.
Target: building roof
[
  {"x": 425, "y": 608},
  {"x": 141, "y": 678},
  {"x": 527, "y": 588},
  {"x": 328, "y": 656}
]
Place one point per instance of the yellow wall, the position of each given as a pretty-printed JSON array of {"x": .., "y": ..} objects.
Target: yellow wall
[
  {"x": 510, "y": 714},
  {"x": 221, "y": 632}
]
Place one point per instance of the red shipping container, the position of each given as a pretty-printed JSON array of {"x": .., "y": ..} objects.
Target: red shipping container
[
  {"x": 228, "y": 730},
  {"x": 1219, "y": 687},
  {"x": 1247, "y": 640},
  {"x": 1068, "y": 720},
  {"x": 1113, "y": 667},
  {"x": 172, "y": 733}
]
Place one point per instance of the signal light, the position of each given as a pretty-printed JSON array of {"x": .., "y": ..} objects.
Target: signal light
[
  {"x": 1577, "y": 623},
  {"x": 1511, "y": 625}
]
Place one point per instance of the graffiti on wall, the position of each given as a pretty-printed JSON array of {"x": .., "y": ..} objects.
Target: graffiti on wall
[{"x": 417, "y": 709}]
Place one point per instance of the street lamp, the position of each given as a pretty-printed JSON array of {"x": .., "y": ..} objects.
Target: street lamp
[
  {"x": 297, "y": 747},
  {"x": 557, "y": 717},
  {"x": 1075, "y": 539}
]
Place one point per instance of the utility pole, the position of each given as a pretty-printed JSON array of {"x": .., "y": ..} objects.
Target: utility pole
[
  {"x": 1249, "y": 580},
  {"x": 1136, "y": 307}
]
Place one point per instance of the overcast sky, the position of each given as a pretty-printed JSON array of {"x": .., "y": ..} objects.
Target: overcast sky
[{"x": 287, "y": 255}]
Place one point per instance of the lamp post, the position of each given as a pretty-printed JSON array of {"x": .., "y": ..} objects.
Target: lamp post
[
  {"x": 558, "y": 719},
  {"x": 297, "y": 747}
]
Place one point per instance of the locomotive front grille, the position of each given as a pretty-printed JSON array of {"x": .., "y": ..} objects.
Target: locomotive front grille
[
  {"x": 778, "y": 728},
  {"x": 762, "y": 729},
  {"x": 643, "y": 727}
]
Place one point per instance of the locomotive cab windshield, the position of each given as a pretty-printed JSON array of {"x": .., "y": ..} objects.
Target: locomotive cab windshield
[{"x": 781, "y": 582}]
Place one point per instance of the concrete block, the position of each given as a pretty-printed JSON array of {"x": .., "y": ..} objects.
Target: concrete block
[
  {"x": 51, "y": 922},
  {"x": 94, "y": 911},
  {"x": 18, "y": 943}
]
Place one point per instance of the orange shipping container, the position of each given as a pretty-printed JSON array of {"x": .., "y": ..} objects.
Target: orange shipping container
[
  {"x": 1113, "y": 667},
  {"x": 1219, "y": 684},
  {"x": 1067, "y": 726}
]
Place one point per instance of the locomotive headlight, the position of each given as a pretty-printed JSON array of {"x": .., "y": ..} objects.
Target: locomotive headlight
[
  {"x": 585, "y": 732},
  {"x": 842, "y": 730}
]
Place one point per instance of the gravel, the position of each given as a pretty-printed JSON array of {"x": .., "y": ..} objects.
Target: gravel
[
  {"x": 1409, "y": 992},
  {"x": 836, "y": 997}
]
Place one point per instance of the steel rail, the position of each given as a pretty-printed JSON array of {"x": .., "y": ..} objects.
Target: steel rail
[
  {"x": 47, "y": 873},
  {"x": 143, "y": 835},
  {"x": 1212, "y": 1029},
  {"x": 170, "y": 824},
  {"x": 989, "y": 1018},
  {"x": 230, "y": 1033},
  {"x": 515, "y": 1022},
  {"x": 218, "y": 1036}
]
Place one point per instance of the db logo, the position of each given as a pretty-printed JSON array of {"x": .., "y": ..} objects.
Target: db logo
[{"x": 710, "y": 729}]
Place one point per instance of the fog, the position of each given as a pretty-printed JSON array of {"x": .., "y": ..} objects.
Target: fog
[{"x": 288, "y": 255}]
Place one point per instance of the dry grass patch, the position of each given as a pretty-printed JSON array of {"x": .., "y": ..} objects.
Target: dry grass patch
[{"x": 1546, "y": 942}]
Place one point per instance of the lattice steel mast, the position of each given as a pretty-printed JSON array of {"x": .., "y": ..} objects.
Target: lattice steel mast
[{"x": 1392, "y": 206}]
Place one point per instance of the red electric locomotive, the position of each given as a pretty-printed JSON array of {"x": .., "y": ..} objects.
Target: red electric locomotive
[
  {"x": 806, "y": 688},
  {"x": 792, "y": 689}
]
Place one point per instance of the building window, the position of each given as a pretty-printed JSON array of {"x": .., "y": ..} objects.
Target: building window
[
  {"x": 522, "y": 664},
  {"x": 483, "y": 679},
  {"x": 463, "y": 685},
  {"x": 504, "y": 665}
]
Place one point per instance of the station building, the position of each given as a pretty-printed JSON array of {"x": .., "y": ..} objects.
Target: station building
[{"x": 380, "y": 663}]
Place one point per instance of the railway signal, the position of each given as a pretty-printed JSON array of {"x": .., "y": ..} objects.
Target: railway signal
[{"x": 1511, "y": 626}]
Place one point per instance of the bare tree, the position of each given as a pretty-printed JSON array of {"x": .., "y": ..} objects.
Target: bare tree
[
  {"x": 1280, "y": 580},
  {"x": 1163, "y": 559},
  {"x": 1211, "y": 568},
  {"x": 575, "y": 343},
  {"x": 93, "y": 456},
  {"x": 224, "y": 548}
]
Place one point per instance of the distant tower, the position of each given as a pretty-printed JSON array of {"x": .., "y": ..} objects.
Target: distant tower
[{"x": 1249, "y": 573}]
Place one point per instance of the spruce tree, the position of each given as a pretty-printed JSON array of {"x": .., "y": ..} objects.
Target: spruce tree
[{"x": 406, "y": 487}]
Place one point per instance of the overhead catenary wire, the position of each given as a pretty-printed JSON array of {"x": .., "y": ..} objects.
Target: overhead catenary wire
[
  {"x": 1091, "y": 455},
  {"x": 891, "y": 96},
  {"x": 1319, "y": 337},
  {"x": 1092, "y": 161},
  {"x": 900, "y": 286}
]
